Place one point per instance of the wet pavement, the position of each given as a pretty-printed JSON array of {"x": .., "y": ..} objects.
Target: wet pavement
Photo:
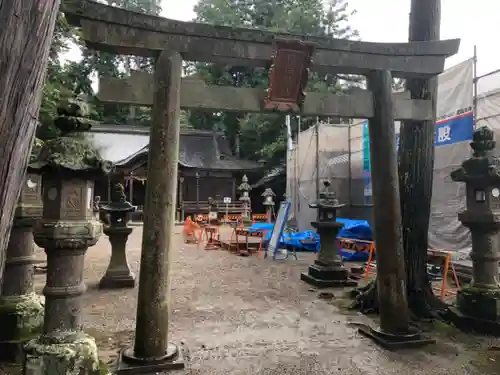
[{"x": 246, "y": 315}]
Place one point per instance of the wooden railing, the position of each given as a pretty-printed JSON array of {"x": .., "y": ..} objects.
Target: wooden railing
[{"x": 202, "y": 207}]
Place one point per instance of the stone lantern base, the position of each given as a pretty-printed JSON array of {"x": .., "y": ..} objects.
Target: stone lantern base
[
  {"x": 66, "y": 354},
  {"x": 477, "y": 310},
  {"x": 21, "y": 320},
  {"x": 118, "y": 274},
  {"x": 325, "y": 276}
]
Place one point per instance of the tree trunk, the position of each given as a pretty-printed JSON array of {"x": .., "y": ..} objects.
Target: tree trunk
[
  {"x": 25, "y": 39},
  {"x": 416, "y": 163}
]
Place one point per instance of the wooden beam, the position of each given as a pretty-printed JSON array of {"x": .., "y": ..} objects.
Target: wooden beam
[
  {"x": 138, "y": 90},
  {"x": 121, "y": 31}
]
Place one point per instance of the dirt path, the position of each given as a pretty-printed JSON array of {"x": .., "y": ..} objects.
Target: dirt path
[{"x": 243, "y": 315}]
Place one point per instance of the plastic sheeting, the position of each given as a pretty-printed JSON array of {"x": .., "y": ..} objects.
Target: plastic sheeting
[{"x": 340, "y": 155}]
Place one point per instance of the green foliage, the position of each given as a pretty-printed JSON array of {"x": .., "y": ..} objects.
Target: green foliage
[{"x": 263, "y": 136}]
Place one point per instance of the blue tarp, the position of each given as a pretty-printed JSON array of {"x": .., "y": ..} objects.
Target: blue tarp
[{"x": 354, "y": 229}]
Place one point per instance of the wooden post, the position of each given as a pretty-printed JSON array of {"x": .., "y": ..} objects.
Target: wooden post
[
  {"x": 25, "y": 38},
  {"x": 152, "y": 351},
  {"x": 131, "y": 190},
  {"x": 393, "y": 306}
]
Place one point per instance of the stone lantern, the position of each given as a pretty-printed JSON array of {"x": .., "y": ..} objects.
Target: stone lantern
[
  {"x": 245, "y": 188},
  {"x": 478, "y": 305},
  {"x": 269, "y": 195},
  {"x": 212, "y": 211},
  {"x": 327, "y": 270},
  {"x": 21, "y": 309},
  {"x": 68, "y": 164},
  {"x": 118, "y": 274}
]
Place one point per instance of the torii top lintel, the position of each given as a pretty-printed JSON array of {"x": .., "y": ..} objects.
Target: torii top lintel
[{"x": 122, "y": 31}]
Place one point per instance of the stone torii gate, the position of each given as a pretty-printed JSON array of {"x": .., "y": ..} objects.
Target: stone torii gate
[{"x": 125, "y": 32}]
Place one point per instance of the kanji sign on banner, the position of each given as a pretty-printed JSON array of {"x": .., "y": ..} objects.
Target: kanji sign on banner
[{"x": 454, "y": 114}]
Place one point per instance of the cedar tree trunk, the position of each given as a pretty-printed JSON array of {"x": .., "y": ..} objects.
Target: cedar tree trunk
[
  {"x": 26, "y": 33},
  {"x": 416, "y": 164}
]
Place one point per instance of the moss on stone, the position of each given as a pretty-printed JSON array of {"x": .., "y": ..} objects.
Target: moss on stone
[
  {"x": 70, "y": 353},
  {"x": 24, "y": 314}
]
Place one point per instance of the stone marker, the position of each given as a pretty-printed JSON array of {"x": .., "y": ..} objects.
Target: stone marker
[
  {"x": 327, "y": 270},
  {"x": 21, "y": 310},
  {"x": 118, "y": 274},
  {"x": 68, "y": 227},
  {"x": 478, "y": 304}
]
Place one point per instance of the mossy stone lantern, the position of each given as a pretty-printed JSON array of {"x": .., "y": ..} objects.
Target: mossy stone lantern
[
  {"x": 68, "y": 164},
  {"x": 21, "y": 309},
  {"x": 245, "y": 188},
  {"x": 268, "y": 203},
  {"x": 478, "y": 305},
  {"x": 118, "y": 274},
  {"x": 327, "y": 270}
]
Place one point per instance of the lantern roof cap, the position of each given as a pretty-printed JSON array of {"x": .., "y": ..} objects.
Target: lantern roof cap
[
  {"x": 118, "y": 201},
  {"x": 70, "y": 151},
  {"x": 482, "y": 167},
  {"x": 327, "y": 198}
]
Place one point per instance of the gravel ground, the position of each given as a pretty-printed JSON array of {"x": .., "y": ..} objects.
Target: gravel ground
[{"x": 244, "y": 315}]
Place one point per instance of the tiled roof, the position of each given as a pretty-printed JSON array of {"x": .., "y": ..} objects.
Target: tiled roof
[{"x": 197, "y": 149}]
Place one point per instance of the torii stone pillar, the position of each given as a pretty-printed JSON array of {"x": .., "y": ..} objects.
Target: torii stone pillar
[{"x": 152, "y": 352}]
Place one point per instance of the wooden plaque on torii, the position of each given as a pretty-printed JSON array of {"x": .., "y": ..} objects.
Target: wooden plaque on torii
[{"x": 288, "y": 75}]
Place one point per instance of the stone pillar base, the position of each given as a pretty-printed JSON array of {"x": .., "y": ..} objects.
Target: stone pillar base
[
  {"x": 67, "y": 354},
  {"x": 21, "y": 320},
  {"x": 117, "y": 280},
  {"x": 477, "y": 310},
  {"x": 392, "y": 342},
  {"x": 322, "y": 276},
  {"x": 128, "y": 364}
]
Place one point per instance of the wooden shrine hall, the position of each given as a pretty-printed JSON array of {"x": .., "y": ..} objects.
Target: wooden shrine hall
[{"x": 207, "y": 167}]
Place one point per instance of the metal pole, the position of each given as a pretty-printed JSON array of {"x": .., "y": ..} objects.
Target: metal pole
[
  {"x": 317, "y": 157},
  {"x": 317, "y": 163},
  {"x": 298, "y": 176},
  {"x": 475, "y": 79},
  {"x": 349, "y": 171}
]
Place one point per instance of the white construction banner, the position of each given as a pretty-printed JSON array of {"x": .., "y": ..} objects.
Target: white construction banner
[{"x": 454, "y": 114}]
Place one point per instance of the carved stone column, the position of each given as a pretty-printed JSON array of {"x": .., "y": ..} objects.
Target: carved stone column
[
  {"x": 118, "y": 274},
  {"x": 21, "y": 310},
  {"x": 67, "y": 228},
  {"x": 478, "y": 305},
  {"x": 327, "y": 270}
]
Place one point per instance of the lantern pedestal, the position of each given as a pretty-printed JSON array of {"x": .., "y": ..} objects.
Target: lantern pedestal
[
  {"x": 323, "y": 276},
  {"x": 328, "y": 271},
  {"x": 65, "y": 353},
  {"x": 477, "y": 310},
  {"x": 118, "y": 274}
]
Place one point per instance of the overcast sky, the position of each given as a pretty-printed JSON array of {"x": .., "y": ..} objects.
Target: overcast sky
[{"x": 474, "y": 22}]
